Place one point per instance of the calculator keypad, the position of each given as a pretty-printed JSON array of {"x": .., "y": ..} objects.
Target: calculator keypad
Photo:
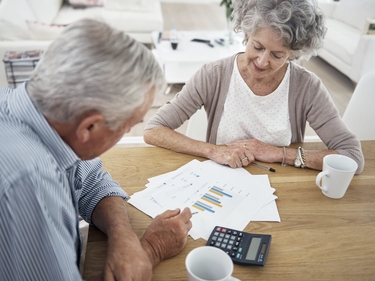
[{"x": 228, "y": 240}]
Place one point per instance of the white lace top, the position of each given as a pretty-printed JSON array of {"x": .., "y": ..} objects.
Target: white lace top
[{"x": 247, "y": 115}]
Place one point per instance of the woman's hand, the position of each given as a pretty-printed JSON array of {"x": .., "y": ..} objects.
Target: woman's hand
[
  {"x": 259, "y": 150},
  {"x": 234, "y": 156}
]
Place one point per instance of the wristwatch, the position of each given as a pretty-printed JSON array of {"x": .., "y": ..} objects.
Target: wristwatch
[{"x": 299, "y": 162}]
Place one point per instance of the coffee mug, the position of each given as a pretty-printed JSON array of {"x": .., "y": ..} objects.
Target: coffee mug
[
  {"x": 209, "y": 263},
  {"x": 338, "y": 171}
]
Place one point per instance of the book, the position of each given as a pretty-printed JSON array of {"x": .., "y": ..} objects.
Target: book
[{"x": 20, "y": 65}]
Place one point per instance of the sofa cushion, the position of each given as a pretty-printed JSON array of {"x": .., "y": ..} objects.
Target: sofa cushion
[
  {"x": 354, "y": 12},
  {"x": 129, "y": 5},
  {"x": 128, "y": 21},
  {"x": 13, "y": 19},
  {"x": 68, "y": 14},
  {"x": 342, "y": 40},
  {"x": 45, "y": 10},
  {"x": 85, "y": 3}
]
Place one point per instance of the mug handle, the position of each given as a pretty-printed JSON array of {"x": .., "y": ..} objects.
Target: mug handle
[
  {"x": 233, "y": 279},
  {"x": 319, "y": 178}
]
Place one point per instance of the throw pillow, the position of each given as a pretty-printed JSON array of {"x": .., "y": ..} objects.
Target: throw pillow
[
  {"x": 43, "y": 31},
  {"x": 45, "y": 10},
  {"x": 13, "y": 16}
]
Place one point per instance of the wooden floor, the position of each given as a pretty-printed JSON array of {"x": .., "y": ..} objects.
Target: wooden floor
[{"x": 211, "y": 16}]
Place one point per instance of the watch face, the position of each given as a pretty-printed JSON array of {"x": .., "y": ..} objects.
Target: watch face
[{"x": 297, "y": 163}]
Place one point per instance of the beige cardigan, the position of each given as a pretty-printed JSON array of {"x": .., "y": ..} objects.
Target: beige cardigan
[{"x": 309, "y": 101}]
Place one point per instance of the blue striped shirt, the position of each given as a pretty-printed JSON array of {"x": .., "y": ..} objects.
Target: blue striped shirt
[{"x": 43, "y": 187}]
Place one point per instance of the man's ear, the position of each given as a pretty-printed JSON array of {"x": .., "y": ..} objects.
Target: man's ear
[{"x": 89, "y": 126}]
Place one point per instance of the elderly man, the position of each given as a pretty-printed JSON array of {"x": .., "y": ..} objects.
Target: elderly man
[{"x": 91, "y": 86}]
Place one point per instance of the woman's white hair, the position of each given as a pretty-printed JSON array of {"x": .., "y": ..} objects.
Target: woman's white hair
[
  {"x": 300, "y": 23},
  {"x": 92, "y": 67}
]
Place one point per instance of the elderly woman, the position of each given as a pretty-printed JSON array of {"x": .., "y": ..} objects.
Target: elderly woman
[{"x": 258, "y": 102}]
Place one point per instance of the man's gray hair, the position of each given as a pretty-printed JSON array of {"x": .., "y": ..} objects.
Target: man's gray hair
[
  {"x": 92, "y": 67},
  {"x": 300, "y": 23}
]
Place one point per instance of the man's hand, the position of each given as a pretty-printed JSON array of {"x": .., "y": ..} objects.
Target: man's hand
[
  {"x": 126, "y": 259},
  {"x": 167, "y": 235}
]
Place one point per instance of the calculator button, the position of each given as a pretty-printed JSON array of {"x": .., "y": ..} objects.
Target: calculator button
[
  {"x": 221, "y": 234},
  {"x": 227, "y": 236},
  {"x": 235, "y": 249},
  {"x": 214, "y": 238},
  {"x": 240, "y": 234},
  {"x": 238, "y": 256},
  {"x": 217, "y": 244},
  {"x": 239, "y": 239},
  {"x": 239, "y": 250},
  {"x": 237, "y": 244},
  {"x": 230, "y": 242},
  {"x": 225, "y": 241},
  {"x": 233, "y": 254},
  {"x": 223, "y": 230},
  {"x": 233, "y": 237},
  {"x": 216, "y": 233},
  {"x": 223, "y": 246},
  {"x": 218, "y": 228},
  {"x": 220, "y": 239},
  {"x": 229, "y": 247},
  {"x": 235, "y": 232},
  {"x": 229, "y": 231}
]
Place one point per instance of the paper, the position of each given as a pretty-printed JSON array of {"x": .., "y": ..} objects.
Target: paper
[{"x": 217, "y": 194}]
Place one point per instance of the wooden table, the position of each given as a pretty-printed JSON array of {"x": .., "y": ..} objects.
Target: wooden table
[{"x": 318, "y": 238}]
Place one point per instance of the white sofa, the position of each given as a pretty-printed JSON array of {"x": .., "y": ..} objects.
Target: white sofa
[
  {"x": 33, "y": 24},
  {"x": 347, "y": 47}
]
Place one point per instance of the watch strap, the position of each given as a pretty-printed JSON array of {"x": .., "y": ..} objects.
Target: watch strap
[{"x": 301, "y": 155}]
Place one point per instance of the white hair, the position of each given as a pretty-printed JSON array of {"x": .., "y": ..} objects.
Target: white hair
[
  {"x": 300, "y": 23},
  {"x": 92, "y": 67}
]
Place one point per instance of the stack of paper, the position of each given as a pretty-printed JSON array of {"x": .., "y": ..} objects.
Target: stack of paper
[{"x": 216, "y": 194}]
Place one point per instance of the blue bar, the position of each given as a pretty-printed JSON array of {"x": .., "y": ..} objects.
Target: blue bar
[
  {"x": 219, "y": 191},
  {"x": 211, "y": 196},
  {"x": 203, "y": 204},
  {"x": 218, "y": 188},
  {"x": 213, "y": 200},
  {"x": 203, "y": 207}
]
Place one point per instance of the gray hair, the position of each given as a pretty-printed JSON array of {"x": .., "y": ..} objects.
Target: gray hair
[
  {"x": 300, "y": 23},
  {"x": 92, "y": 67}
]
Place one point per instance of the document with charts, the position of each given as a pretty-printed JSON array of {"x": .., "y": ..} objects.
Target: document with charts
[{"x": 216, "y": 194}]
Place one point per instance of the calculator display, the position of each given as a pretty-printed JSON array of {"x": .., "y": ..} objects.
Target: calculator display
[
  {"x": 253, "y": 249},
  {"x": 243, "y": 248}
]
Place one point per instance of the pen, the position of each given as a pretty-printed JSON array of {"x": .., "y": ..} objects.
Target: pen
[
  {"x": 194, "y": 213},
  {"x": 264, "y": 167}
]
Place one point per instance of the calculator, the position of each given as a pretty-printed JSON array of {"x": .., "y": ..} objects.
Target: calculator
[{"x": 243, "y": 248}]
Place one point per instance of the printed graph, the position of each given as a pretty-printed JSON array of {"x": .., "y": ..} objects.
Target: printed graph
[{"x": 212, "y": 200}]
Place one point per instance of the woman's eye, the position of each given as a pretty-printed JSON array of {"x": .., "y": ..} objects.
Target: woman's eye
[{"x": 257, "y": 48}]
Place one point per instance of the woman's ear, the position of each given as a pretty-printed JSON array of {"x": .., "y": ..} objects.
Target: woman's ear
[{"x": 89, "y": 127}]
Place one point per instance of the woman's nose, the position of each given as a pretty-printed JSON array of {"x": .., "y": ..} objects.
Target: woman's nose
[{"x": 263, "y": 60}]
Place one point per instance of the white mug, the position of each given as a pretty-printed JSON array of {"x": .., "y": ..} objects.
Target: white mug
[
  {"x": 209, "y": 263},
  {"x": 338, "y": 171}
]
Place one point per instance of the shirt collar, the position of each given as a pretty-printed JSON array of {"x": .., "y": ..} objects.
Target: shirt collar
[{"x": 23, "y": 108}]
